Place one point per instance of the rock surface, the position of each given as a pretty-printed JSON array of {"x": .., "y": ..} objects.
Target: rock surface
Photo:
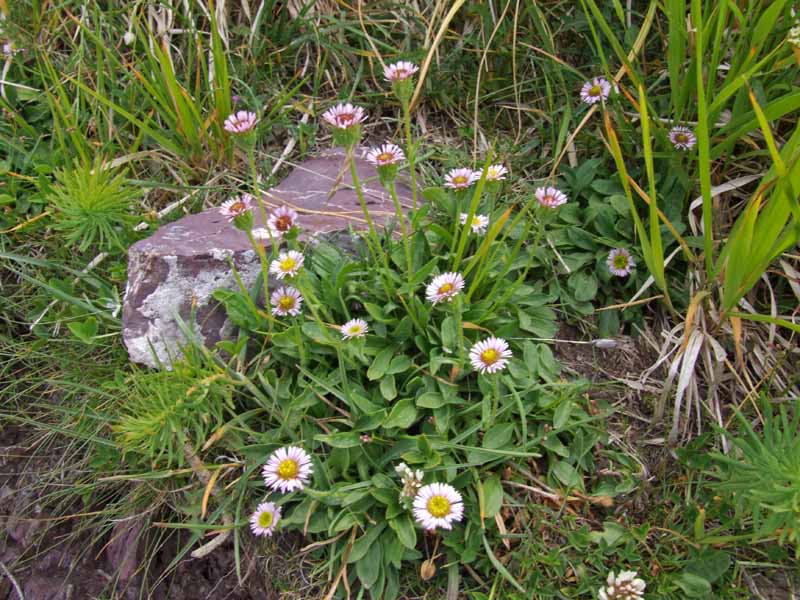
[{"x": 173, "y": 273}]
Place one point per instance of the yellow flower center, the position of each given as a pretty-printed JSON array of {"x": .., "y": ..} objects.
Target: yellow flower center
[
  {"x": 288, "y": 263},
  {"x": 446, "y": 288},
  {"x": 345, "y": 119},
  {"x": 476, "y": 222},
  {"x": 490, "y": 356},
  {"x": 286, "y": 302},
  {"x": 385, "y": 157},
  {"x": 288, "y": 469},
  {"x": 682, "y": 138},
  {"x": 620, "y": 261},
  {"x": 595, "y": 90},
  {"x": 354, "y": 329},
  {"x": 439, "y": 506},
  {"x": 238, "y": 206},
  {"x": 265, "y": 519},
  {"x": 459, "y": 180}
]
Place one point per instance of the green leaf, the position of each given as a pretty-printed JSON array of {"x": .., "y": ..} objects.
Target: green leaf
[
  {"x": 583, "y": 286},
  {"x": 449, "y": 333},
  {"x": 399, "y": 364},
  {"x": 404, "y": 528},
  {"x": 566, "y": 474},
  {"x": 369, "y": 567},
  {"x": 431, "y": 400},
  {"x": 493, "y": 496},
  {"x": 381, "y": 362},
  {"x": 402, "y": 416},
  {"x": 239, "y": 308},
  {"x": 347, "y": 439},
  {"x": 693, "y": 586},
  {"x": 561, "y": 415},
  {"x": 388, "y": 388},
  {"x": 84, "y": 330}
]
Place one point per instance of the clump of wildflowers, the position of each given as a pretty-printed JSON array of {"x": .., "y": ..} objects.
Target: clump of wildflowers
[
  {"x": 240, "y": 122},
  {"x": 265, "y": 518},
  {"x": 438, "y": 505},
  {"x": 620, "y": 262},
  {"x": 490, "y": 355},
  {"x": 288, "y": 264},
  {"x": 478, "y": 224},
  {"x": 444, "y": 287},
  {"x": 595, "y": 90},
  {"x": 625, "y": 586},
  {"x": 682, "y": 138}
]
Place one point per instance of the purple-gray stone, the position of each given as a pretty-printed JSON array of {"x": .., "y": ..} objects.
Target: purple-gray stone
[{"x": 174, "y": 272}]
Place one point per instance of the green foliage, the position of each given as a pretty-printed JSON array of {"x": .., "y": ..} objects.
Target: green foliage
[
  {"x": 92, "y": 204},
  {"x": 762, "y": 474}
]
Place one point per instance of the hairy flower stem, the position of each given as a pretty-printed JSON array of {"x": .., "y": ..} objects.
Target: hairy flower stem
[
  {"x": 410, "y": 151},
  {"x": 404, "y": 230},
  {"x": 374, "y": 244},
  {"x": 251, "y": 159}
]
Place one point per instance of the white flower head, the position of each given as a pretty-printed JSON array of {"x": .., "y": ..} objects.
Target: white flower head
[
  {"x": 128, "y": 38},
  {"x": 620, "y": 262},
  {"x": 288, "y": 469},
  {"x": 261, "y": 233},
  {"x": 387, "y": 154},
  {"x": 682, "y": 138},
  {"x": 399, "y": 71},
  {"x": 444, "y": 287},
  {"x": 282, "y": 220},
  {"x": 460, "y": 179},
  {"x": 793, "y": 37},
  {"x": 490, "y": 355},
  {"x": 550, "y": 197},
  {"x": 286, "y": 300},
  {"x": 479, "y": 222},
  {"x": 264, "y": 519},
  {"x": 625, "y": 586},
  {"x": 412, "y": 480},
  {"x": 343, "y": 116},
  {"x": 437, "y": 505},
  {"x": 234, "y": 207},
  {"x": 595, "y": 90},
  {"x": 288, "y": 264},
  {"x": 241, "y": 121},
  {"x": 354, "y": 328},
  {"x": 496, "y": 173}
]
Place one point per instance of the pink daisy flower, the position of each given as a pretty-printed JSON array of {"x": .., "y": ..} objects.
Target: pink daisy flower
[
  {"x": 282, "y": 220},
  {"x": 620, "y": 262},
  {"x": 459, "y": 179},
  {"x": 399, "y": 71},
  {"x": 490, "y": 355},
  {"x": 240, "y": 122},
  {"x": 387, "y": 154},
  {"x": 234, "y": 207},
  {"x": 682, "y": 138},
  {"x": 343, "y": 116},
  {"x": 550, "y": 197},
  {"x": 444, "y": 287},
  {"x": 595, "y": 90}
]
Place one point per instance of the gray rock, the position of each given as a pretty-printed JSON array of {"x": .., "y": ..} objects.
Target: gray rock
[{"x": 174, "y": 272}]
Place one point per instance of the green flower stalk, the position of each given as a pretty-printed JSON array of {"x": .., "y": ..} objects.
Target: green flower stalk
[{"x": 400, "y": 76}]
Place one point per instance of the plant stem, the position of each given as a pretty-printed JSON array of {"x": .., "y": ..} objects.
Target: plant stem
[{"x": 410, "y": 152}]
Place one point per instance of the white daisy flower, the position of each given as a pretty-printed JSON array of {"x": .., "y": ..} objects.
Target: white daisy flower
[
  {"x": 620, "y": 262},
  {"x": 479, "y": 222},
  {"x": 438, "y": 505},
  {"x": 595, "y": 90},
  {"x": 550, "y": 197},
  {"x": 399, "y": 71},
  {"x": 236, "y": 206},
  {"x": 343, "y": 116},
  {"x": 286, "y": 300},
  {"x": 287, "y": 264},
  {"x": 459, "y": 179},
  {"x": 496, "y": 173},
  {"x": 282, "y": 220},
  {"x": 264, "y": 519},
  {"x": 625, "y": 586},
  {"x": 354, "y": 328},
  {"x": 682, "y": 138},
  {"x": 240, "y": 122},
  {"x": 444, "y": 287},
  {"x": 490, "y": 355},
  {"x": 287, "y": 470},
  {"x": 387, "y": 154}
]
